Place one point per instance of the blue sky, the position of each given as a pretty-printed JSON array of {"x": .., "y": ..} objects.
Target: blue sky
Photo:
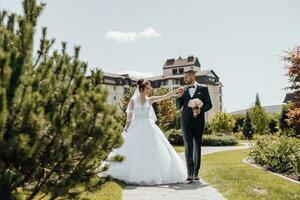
[{"x": 242, "y": 41}]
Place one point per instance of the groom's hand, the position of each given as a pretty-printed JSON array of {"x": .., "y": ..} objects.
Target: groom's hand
[{"x": 180, "y": 91}]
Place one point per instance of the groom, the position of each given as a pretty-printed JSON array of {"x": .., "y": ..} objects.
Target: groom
[{"x": 192, "y": 127}]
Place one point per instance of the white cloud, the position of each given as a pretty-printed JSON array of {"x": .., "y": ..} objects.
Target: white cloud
[
  {"x": 120, "y": 36},
  {"x": 138, "y": 74},
  {"x": 150, "y": 32}
]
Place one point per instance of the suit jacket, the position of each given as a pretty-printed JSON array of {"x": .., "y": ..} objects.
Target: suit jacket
[{"x": 201, "y": 93}]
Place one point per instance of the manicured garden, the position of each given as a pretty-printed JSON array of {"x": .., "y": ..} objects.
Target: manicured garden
[{"x": 237, "y": 180}]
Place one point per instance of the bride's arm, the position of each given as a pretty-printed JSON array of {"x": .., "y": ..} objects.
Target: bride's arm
[
  {"x": 155, "y": 99},
  {"x": 129, "y": 115}
]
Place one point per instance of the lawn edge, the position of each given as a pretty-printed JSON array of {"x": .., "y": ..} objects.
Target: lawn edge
[{"x": 245, "y": 160}]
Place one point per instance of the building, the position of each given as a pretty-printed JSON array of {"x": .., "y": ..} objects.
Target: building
[
  {"x": 117, "y": 85},
  {"x": 172, "y": 77}
]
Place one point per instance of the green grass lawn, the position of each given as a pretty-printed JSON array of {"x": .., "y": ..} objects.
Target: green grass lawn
[
  {"x": 236, "y": 180},
  {"x": 111, "y": 190},
  {"x": 178, "y": 148}
]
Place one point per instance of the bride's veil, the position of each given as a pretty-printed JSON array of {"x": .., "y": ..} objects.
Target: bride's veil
[{"x": 134, "y": 99}]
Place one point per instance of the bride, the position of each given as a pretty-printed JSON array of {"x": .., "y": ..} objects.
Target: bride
[{"x": 149, "y": 159}]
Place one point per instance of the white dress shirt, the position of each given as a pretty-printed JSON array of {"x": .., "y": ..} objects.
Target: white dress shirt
[{"x": 193, "y": 90}]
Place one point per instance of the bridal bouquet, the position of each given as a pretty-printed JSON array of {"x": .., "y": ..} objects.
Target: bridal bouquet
[{"x": 195, "y": 104}]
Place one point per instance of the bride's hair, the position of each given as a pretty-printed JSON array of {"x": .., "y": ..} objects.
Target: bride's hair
[{"x": 142, "y": 84}]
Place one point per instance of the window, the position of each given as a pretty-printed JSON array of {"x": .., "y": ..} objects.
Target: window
[
  {"x": 181, "y": 71},
  {"x": 170, "y": 61},
  {"x": 174, "y": 71},
  {"x": 115, "y": 98},
  {"x": 190, "y": 59},
  {"x": 177, "y": 81},
  {"x": 115, "y": 87}
]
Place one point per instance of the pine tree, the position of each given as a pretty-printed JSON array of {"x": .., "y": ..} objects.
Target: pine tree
[
  {"x": 283, "y": 124},
  {"x": 293, "y": 67},
  {"x": 259, "y": 118},
  {"x": 247, "y": 127},
  {"x": 55, "y": 127},
  {"x": 257, "y": 100}
]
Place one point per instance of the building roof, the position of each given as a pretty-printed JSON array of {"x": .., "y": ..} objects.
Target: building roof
[
  {"x": 181, "y": 62},
  {"x": 199, "y": 73},
  {"x": 113, "y": 75}
]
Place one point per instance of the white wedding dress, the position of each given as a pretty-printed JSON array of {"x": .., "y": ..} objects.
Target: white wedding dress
[{"x": 149, "y": 158}]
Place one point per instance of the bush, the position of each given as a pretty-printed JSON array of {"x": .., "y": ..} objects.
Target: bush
[
  {"x": 223, "y": 123},
  {"x": 208, "y": 130},
  {"x": 240, "y": 136},
  {"x": 239, "y": 122},
  {"x": 56, "y": 128},
  {"x": 212, "y": 140},
  {"x": 175, "y": 138},
  {"x": 280, "y": 154}
]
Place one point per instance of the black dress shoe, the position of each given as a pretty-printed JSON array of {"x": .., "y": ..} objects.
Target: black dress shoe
[
  {"x": 189, "y": 179},
  {"x": 196, "y": 178}
]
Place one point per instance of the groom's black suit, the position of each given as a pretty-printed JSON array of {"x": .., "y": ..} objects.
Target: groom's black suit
[{"x": 192, "y": 128}]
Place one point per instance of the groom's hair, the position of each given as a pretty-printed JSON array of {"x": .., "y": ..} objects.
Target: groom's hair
[
  {"x": 142, "y": 84},
  {"x": 190, "y": 72}
]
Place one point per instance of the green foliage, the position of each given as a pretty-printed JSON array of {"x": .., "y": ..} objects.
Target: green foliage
[
  {"x": 236, "y": 180},
  {"x": 283, "y": 125},
  {"x": 213, "y": 140},
  {"x": 239, "y": 122},
  {"x": 247, "y": 127},
  {"x": 240, "y": 136},
  {"x": 208, "y": 130},
  {"x": 166, "y": 111},
  {"x": 124, "y": 103},
  {"x": 223, "y": 123},
  {"x": 257, "y": 100},
  {"x": 285, "y": 128},
  {"x": 273, "y": 125},
  {"x": 55, "y": 125},
  {"x": 168, "y": 117},
  {"x": 280, "y": 154},
  {"x": 259, "y": 118},
  {"x": 175, "y": 138}
]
